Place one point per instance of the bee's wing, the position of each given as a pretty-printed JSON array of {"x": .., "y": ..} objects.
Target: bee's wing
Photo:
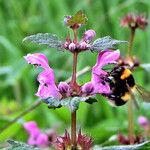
[
  {"x": 145, "y": 95},
  {"x": 133, "y": 98}
]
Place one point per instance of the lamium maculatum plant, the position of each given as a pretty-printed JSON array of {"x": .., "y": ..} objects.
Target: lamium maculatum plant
[{"x": 56, "y": 95}]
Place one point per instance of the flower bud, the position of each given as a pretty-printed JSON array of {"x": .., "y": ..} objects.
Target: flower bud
[
  {"x": 88, "y": 88},
  {"x": 143, "y": 121},
  {"x": 66, "y": 19},
  {"x": 83, "y": 45},
  {"x": 64, "y": 88},
  {"x": 89, "y": 35},
  {"x": 72, "y": 46},
  {"x": 66, "y": 45}
]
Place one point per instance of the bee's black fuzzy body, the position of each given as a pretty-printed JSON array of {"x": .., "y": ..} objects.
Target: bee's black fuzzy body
[{"x": 121, "y": 81}]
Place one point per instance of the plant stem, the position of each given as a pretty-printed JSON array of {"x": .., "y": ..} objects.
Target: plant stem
[
  {"x": 130, "y": 104},
  {"x": 73, "y": 130},
  {"x": 130, "y": 122},
  {"x": 74, "y": 85},
  {"x": 132, "y": 34},
  {"x": 73, "y": 114},
  {"x": 73, "y": 81}
]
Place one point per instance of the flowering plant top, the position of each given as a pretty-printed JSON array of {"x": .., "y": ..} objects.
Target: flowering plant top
[{"x": 71, "y": 94}]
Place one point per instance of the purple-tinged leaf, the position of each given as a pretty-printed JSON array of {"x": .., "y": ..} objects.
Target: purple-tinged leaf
[
  {"x": 44, "y": 39},
  {"x": 105, "y": 43},
  {"x": 78, "y": 18}
]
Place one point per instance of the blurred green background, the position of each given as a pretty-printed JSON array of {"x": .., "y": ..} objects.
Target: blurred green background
[{"x": 18, "y": 84}]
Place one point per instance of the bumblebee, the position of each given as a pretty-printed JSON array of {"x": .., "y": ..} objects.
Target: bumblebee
[{"x": 123, "y": 87}]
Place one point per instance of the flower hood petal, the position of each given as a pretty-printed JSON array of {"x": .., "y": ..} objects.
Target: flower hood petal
[
  {"x": 105, "y": 57},
  {"x": 38, "y": 59}
]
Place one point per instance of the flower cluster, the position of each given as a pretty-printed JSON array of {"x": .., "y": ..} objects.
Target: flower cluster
[
  {"x": 134, "y": 21},
  {"x": 83, "y": 44},
  {"x": 64, "y": 142},
  {"x": 124, "y": 140},
  {"x": 48, "y": 88},
  {"x": 36, "y": 137}
]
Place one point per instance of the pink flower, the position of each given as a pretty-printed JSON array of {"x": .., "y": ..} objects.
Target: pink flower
[
  {"x": 64, "y": 89},
  {"x": 46, "y": 91},
  {"x": 32, "y": 128},
  {"x": 64, "y": 142},
  {"x": 98, "y": 74},
  {"x": 83, "y": 45},
  {"x": 105, "y": 57},
  {"x": 42, "y": 140},
  {"x": 47, "y": 87},
  {"x": 143, "y": 121},
  {"x": 88, "y": 88},
  {"x": 134, "y": 21},
  {"x": 89, "y": 35},
  {"x": 38, "y": 59},
  {"x": 46, "y": 77},
  {"x": 72, "y": 46},
  {"x": 36, "y": 137}
]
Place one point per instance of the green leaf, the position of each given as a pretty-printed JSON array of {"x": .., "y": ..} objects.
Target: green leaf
[
  {"x": 78, "y": 18},
  {"x": 146, "y": 67},
  {"x": 15, "y": 145},
  {"x": 104, "y": 43},
  {"x": 71, "y": 102},
  {"x": 142, "y": 146},
  {"x": 44, "y": 39}
]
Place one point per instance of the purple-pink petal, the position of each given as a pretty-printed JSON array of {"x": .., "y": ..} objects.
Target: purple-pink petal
[
  {"x": 88, "y": 88},
  {"x": 89, "y": 35},
  {"x": 32, "y": 128},
  {"x": 143, "y": 121},
  {"x": 46, "y": 77},
  {"x": 46, "y": 91},
  {"x": 42, "y": 140},
  {"x": 38, "y": 59},
  {"x": 32, "y": 140},
  {"x": 98, "y": 74},
  {"x": 106, "y": 57}
]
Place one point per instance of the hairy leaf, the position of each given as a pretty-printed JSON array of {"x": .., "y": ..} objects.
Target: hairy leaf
[
  {"x": 72, "y": 102},
  {"x": 44, "y": 39},
  {"x": 78, "y": 18},
  {"x": 16, "y": 145},
  {"x": 104, "y": 43},
  {"x": 142, "y": 146}
]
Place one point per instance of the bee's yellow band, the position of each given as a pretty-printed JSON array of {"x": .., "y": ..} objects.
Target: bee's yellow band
[
  {"x": 126, "y": 73},
  {"x": 126, "y": 97}
]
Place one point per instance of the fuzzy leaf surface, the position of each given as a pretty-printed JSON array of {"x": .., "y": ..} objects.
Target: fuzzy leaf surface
[
  {"x": 105, "y": 43},
  {"x": 72, "y": 102},
  {"x": 78, "y": 18},
  {"x": 16, "y": 145},
  {"x": 44, "y": 39},
  {"x": 142, "y": 146}
]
